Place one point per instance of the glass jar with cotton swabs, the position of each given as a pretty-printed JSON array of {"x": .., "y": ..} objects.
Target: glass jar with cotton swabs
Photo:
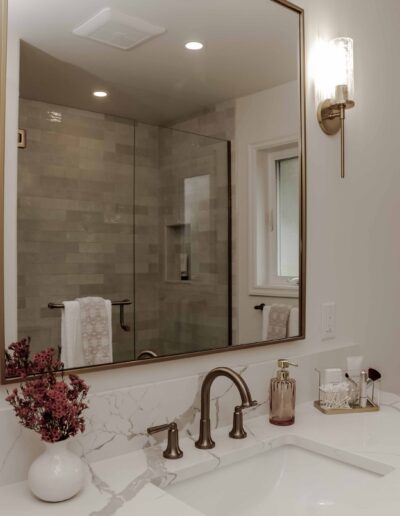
[
  {"x": 334, "y": 389},
  {"x": 340, "y": 392}
]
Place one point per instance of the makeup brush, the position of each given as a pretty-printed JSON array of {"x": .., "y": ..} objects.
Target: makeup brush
[{"x": 374, "y": 375}]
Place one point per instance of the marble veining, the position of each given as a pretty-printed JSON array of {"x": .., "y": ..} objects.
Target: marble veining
[
  {"x": 262, "y": 437},
  {"x": 135, "y": 481},
  {"x": 117, "y": 419}
]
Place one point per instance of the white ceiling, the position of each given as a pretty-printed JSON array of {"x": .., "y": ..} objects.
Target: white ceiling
[{"x": 250, "y": 45}]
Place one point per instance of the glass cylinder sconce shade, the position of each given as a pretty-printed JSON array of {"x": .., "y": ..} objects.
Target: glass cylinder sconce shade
[
  {"x": 343, "y": 69},
  {"x": 335, "y": 89}
]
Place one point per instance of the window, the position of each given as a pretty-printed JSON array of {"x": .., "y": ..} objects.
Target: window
[
  {"x": 275, "y": 221},
  {"x": 287, "y": 223}
]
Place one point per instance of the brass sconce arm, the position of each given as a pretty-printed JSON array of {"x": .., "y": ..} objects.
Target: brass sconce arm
[{"x": 331, "y": 115}]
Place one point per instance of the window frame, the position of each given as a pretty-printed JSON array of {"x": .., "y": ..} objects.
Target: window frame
[{"x": 263, "y": 245}]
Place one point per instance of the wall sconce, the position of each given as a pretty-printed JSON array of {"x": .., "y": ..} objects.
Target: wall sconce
[{"x": 336, "y": 90}]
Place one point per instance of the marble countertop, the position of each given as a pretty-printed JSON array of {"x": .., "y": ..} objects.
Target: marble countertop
[{"x": 133, "y": 483}]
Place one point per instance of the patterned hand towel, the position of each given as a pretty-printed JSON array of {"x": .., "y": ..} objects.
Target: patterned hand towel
[
  {"x": 95, "y": 330},
  {"x": 278, "y": 320}
]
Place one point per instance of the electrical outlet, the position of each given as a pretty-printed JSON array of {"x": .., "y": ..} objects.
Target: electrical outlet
[{"x": 328, "y": 321}]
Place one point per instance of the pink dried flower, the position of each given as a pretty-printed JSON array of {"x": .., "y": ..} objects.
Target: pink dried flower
[
  {"x": 48, "y": 405},
  {"x": 20, "y": 365}
]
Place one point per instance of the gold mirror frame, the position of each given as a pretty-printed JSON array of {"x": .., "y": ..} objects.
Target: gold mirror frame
[
  {"x": 3, "y": 67},
  {"x": 3, "y": 64}
]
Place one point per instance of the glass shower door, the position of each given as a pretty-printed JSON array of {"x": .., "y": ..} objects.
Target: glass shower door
[{"x": 182, "y": 271}]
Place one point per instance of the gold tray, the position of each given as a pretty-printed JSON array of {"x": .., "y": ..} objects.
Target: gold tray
[{"x": 371, "y": 407}]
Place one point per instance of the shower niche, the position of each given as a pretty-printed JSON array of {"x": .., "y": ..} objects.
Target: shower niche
[
  {"x": 177, "y": 253},
  {"x": 189, "y": 242}
]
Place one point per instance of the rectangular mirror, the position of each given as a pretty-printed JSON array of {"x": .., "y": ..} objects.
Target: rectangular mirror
[{"x": 160, "y": 178}]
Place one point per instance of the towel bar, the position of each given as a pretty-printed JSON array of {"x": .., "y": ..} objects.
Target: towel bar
[
  {"x": 259, "y": 307},
  {"x": 121, "y": 304}
]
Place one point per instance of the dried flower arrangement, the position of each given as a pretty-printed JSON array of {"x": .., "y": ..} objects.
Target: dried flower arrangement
[{"x": 49, "y": 403}]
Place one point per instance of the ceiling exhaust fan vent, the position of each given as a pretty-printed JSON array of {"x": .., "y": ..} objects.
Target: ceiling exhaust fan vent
[{"x": 117, "y": 29}]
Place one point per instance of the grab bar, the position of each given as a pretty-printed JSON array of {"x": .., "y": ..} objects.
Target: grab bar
[{"x": 121, "y": 305}]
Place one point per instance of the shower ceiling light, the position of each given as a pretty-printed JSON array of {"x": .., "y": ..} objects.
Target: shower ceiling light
[
  {"x": 194, "y": 45},
  {"x": 100, "y": 94}
]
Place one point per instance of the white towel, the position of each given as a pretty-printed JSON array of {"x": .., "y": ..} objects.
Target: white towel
[
  {"x": 265, "y": 322},
  {"x": 86, "y": 334},
  {"x": 71, "y": 345}
]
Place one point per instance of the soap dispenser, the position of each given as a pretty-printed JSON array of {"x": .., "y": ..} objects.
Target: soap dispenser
[{"x": 282, "y": 395}]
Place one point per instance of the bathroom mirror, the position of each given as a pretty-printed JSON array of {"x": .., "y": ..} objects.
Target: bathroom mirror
[{"x": 156, "y": 193}]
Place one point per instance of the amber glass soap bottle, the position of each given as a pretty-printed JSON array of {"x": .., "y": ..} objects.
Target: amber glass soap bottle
[{"x": 282, "y": 395}]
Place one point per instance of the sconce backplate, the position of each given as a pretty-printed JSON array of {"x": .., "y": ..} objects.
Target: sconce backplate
[{"x": 328, "y": 115}]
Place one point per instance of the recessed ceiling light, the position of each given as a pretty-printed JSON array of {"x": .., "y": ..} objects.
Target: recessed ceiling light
[
  {"x": 194, "y": 45},
  {"x": 100, "y": 94}
]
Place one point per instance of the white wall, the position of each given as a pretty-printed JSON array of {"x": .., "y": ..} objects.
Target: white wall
[
  {"x": 266, "y": 116},
  {"x": 353, "y": 243}
]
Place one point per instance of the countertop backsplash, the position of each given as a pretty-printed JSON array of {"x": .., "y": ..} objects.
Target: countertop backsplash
[{"x": 117, "y": 420}]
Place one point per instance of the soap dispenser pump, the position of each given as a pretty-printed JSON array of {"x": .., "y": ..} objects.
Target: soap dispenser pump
[{"x": 282, "y": 395}]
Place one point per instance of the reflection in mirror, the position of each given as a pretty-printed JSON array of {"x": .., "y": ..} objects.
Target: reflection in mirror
[
  {"x": 181, "y": 241},
  {"x": 159, "y": 185}
]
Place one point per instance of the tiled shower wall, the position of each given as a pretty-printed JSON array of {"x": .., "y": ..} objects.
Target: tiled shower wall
[
  {"x": 178, "y": 177},
  {"x": 219, "y": 122},
  {"x": 75, "y": 217},
  {"x": 194, "y": 182},
  {"x": 78, "y": 180}
]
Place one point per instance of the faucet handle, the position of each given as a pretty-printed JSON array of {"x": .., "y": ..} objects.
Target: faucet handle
[
  {"x": 172, "y": 450},
  {"x": 252, "y": 404},
  {"x": 160, "y": 428},
  {"x": 238, "y": 432}
]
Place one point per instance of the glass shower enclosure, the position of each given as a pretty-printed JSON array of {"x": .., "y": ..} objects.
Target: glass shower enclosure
[{"x": 182, "y": 300}]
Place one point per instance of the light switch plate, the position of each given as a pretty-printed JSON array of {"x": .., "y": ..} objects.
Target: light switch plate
[{"x": 328, "y": 321}]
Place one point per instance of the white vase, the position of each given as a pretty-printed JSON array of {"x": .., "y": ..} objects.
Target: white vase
[{"x": 57, "y": 474}]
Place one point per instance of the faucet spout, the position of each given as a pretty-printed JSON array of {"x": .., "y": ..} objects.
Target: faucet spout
[{"x": 204, "y": 441}]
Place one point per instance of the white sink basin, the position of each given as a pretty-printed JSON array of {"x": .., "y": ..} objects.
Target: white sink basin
[{"x": 284, "y": 481}]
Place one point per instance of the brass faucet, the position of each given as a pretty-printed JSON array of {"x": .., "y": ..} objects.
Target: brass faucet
[{"x": 204, "y": 441}]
